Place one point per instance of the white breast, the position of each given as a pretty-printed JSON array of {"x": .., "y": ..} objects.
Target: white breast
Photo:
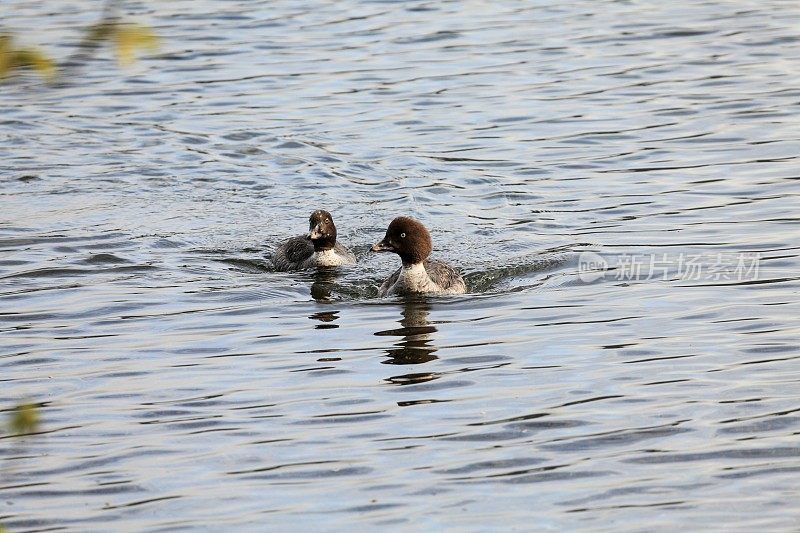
[
  {"x": 414, "y": 278},
  {"x": 328, "y": 258}
]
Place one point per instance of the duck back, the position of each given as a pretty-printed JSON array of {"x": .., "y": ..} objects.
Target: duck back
[{"x": 292, "y": 254}]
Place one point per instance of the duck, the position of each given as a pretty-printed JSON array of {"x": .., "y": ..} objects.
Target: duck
[
  {"x": 410, "y": 239},
  {"x": 318, "y": 248}
]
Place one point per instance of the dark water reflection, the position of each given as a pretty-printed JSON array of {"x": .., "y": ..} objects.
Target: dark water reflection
[
  {"x": 322, "y": 287},
  {"x": 416, "y": 335},
  {"x": 183, "y": 384}
]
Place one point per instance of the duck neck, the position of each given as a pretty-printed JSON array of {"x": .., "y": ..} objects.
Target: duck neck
[
  {"x": 415, "y": 277},
  {"x": 414, "y": 268}
]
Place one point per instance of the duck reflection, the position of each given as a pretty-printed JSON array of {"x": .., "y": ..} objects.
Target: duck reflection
[
  {"x": 416, "y": 335},
  {"x": 324, "y": 280},
  {"x": 326, "y": 317},
  {"x": 323, "y": 283}
]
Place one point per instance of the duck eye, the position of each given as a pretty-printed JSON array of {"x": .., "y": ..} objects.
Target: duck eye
[{"x": 402, "y": 235}]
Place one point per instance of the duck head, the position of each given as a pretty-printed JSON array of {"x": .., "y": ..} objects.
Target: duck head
[
  {"x": 321, "y": 230},
  {"x": 408, "y": 238}
]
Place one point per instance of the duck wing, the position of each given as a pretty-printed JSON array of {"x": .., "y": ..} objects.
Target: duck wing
[
  {"x": 342, "y": 250},
  {"x": 445, "y": 276},
  {"x": 389, "y": 283},
  {"x": 291, "y": 254}
]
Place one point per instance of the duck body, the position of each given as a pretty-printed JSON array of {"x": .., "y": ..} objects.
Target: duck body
[
  {"x": 316, "y": 249},
  {"x": 428, "y": 277},
  {"x": 298, "y": 253},
  {"x": 409, "y": 239}
]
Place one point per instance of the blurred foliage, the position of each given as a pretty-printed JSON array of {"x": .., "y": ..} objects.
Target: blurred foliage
[
  {"x": 24, "y": 419},
  {"x": 126, "y": 37},
  {"x": 13, "y": 58},
  {"x": 2, "y": 529}
]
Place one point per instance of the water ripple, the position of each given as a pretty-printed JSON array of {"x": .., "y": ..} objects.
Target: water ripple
[{"x": 182, "y": 383}]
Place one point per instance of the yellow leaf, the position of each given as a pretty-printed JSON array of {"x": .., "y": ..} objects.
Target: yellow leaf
[
  {"x": 130, "y": 37},
  {"x": 11, "y": 58},
  {"x": 30, "y": 57},
  {"x": 25, "y": 419},
  {"x": 5, "y": 55}
]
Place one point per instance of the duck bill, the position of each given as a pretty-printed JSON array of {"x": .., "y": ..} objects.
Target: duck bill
[
  {"x": 315, "y": 233},
  {"x": 382, "y": 246}
]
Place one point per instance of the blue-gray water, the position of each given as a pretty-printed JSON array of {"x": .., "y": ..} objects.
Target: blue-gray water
[{"x": 185, "y": 385}]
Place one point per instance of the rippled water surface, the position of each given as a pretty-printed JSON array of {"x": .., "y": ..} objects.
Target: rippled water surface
[{"x": 184, "y": 384}]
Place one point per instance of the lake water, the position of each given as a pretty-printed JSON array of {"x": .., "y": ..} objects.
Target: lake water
[{"x": 618, "y": 181}]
